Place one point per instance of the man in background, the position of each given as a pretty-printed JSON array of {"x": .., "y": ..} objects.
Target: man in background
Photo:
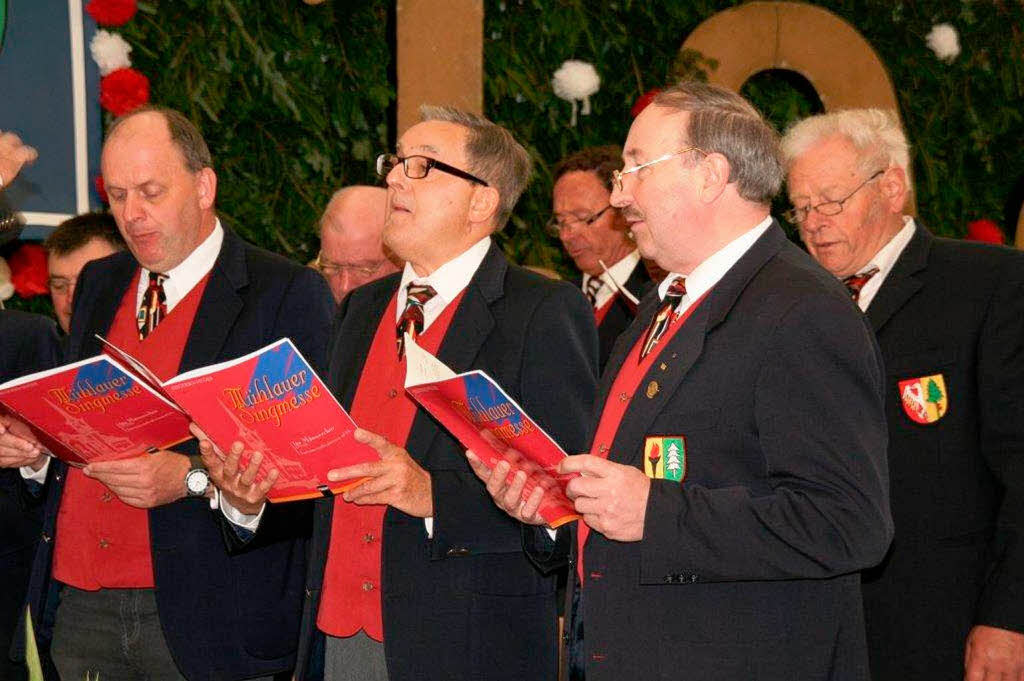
[
  {"x": 593, "y": 231},
  {"x": 69, "y": 247},
  {"x": 352, "y": 252},
  {"x": 949, "y": 316}
]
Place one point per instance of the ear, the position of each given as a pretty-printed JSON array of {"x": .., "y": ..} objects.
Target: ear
[
  {"x": 484, "y": 204},
  {"x": 715, "y": 168},
  {"x": 894, "y": 188},
  {"x": 206, "y": 186}
]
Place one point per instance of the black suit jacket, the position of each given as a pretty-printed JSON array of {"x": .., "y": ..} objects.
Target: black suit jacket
[
  {"x": 468, "y": 604},
  {"x": 957, "y": 309},
  {"x": 621, "y": 313},
  {"x": 223, "y": 616},
  {"x": 747, "y": 570},
  {"x": 28, "y": 343}
]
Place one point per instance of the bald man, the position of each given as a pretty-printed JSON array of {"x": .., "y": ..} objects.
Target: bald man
[{"x": 351, "y": 250}]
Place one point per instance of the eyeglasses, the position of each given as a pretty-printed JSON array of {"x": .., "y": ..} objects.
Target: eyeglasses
[
  {"x": 617, "y": 175},
  {"x": 556, "y": 224},
  {"x": 798, "y": 215},
  {"x": 333, "y": 269},
  {"x": 61, "y": 285},
  {"x": 417, "y": 167}
]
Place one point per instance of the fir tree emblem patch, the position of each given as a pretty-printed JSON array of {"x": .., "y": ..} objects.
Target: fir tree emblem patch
[
  {"x": 665, "y": 457},
  {"x": 924, "y": 399}
]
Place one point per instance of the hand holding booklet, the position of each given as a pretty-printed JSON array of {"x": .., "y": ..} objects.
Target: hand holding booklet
[
  {"x": 271, "y": 400},
  {"x": 486, "y": 420}
]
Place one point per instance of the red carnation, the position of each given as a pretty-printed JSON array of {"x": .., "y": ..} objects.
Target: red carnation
[
  {"x": 986, "y": 231},
  {"x": 123, "y": 91},
  {"x": 28, "y": 270},
  {"x": 111, "y": 12},
  {"x": 643, "y": 101},
  {"x": 101, "y": 189}
]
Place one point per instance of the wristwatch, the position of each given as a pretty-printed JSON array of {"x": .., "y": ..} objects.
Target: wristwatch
[{"x": 197, "y": 480}]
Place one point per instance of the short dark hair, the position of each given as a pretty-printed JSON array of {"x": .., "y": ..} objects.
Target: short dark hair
[
  {"x": 184, "y": 135},
  {"x": 598, "y": 160},
  {"x": 72, "y": 234}
]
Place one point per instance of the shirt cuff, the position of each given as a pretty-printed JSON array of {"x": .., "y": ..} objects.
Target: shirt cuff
[
  {"x": 237, "y": 518},
  {"x": 428, "y": 523},
  {"x": 551, "y": 533},
  {"x": 27, "y": 473}
]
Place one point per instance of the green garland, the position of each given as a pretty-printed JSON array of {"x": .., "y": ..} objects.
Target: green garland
[{"x": 294, "y": 98}]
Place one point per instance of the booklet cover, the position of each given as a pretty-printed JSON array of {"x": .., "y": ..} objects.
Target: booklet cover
[
  {"x": 94, "y": 410},
  {"x": 273, "y": 402},
  {"x": 475, "y": 409}
]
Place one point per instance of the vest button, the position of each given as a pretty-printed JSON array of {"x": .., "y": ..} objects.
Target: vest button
[
  {"x": 107, "y": 497},
  {"x": 392, "y": 393},
  {"x": 367, "y": 586},
  {"x": 368, "y": 537},
  {"x": 104, "y": 543}
]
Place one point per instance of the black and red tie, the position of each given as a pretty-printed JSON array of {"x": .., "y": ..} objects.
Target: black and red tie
[
  {"x": 154, "y": 305},
  {"x": 411, "y": 321},
  {"x": 594, "y": 285},
  {"x": 855, "y": 282},
  {"x": 662, "y": 320}
]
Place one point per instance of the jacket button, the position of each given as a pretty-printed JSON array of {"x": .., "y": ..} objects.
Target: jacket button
[
  {"x": 46, "y": 537},
  {"x": 694, "y": 579},
  {"x": 58, "y": 477},
  {"x": 309, "y": 594},
  {"x": 669, "y": 579},
  {"x": 565, "y": 638}
]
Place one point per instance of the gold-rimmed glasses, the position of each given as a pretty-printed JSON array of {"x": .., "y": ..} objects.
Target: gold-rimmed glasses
[{"x": 617, "y": 175}]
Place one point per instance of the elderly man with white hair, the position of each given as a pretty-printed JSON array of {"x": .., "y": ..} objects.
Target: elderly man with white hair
[{"x": 949, "y": 316}]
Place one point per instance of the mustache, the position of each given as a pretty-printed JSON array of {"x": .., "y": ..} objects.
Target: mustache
[{"x": 632, "y": 214}]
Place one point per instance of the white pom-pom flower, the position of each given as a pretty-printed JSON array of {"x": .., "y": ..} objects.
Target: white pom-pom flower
[
  {"x": 110, "y": 51},
  {"x": 6, "y": 287},
  {"x": 575, "y": 81},
  {"x": 944, "y": 41}
]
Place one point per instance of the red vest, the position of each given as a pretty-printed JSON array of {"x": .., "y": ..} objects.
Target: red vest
[
  {"x": 619, "y": 397},
  {"x": 351, "y": 593},
  {"x": 601, "y": 312},
  {"x": 103, "y": 543}
]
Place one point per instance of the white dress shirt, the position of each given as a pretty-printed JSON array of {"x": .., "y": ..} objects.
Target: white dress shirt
[
  {"x": 709, "y": 272},
  {"x": 620, "y": 271},
  {"x": 884, "y": 261}
]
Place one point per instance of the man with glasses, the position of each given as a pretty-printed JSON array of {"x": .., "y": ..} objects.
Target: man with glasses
[
  {"x": 736, "y": 481},
  {"x": 414, "y": 573},
  {"x": 949, "y": 317},
  {"x": 351, "y": 250},
  {"x": 596, "y": 236},
  {"x": 69, "y": 247}
]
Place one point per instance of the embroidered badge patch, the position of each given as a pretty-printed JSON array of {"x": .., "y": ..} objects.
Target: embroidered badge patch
[
  {"x": 924, "y": 399},
  {"x": 665, "y": 457}
]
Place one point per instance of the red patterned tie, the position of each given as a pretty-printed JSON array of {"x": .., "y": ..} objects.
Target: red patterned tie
[
  {"x": 676, "y": 291},
  {"x": 154, "y": 305},
  {"x": 593, "y": 286},
  {"x": 411, "y": 321},
  {"x": 855, "y": 282}
]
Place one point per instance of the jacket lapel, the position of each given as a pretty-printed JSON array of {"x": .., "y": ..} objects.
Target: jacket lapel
[
  {"x": 902, "y": 282},
  {"x": 465, "y": 337},
  {"x": 220, "y": 306},
  {"x": 104, "y": 306},
  {"x": 682, "y": 351}
]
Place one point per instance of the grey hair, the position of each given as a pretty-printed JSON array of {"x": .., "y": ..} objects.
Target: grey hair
[
  {"x": 493, "y": 155},
  {"x": 723, "y": 122},
  {"x": 875, "y": 134},
  {"x": 184, "y": 135}
]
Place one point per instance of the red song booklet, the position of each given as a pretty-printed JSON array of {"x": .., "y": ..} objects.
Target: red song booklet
[
  {"x": 94, "y": 410},
  {"x": 486, "y": 420}
]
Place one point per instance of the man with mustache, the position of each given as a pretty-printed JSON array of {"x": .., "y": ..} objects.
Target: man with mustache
[
  {"x": 949, "y": 315},
  {"x": 736, "y": 481},
  {"x": 132, "y": 578},
  {"x": 593, "y": 232}
]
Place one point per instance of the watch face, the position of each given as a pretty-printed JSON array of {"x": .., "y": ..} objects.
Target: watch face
[{"x": 197, "y": 481}]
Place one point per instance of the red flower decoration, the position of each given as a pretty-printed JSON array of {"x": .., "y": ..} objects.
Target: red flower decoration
[
  {"x": 986, "y": 231},
  {"x": 111, "y": 12},
  {"x": 123, "y": 91},
  {"x": 101, "y": 189},
  {"x": 28, "y": 270},
  {"x": 644, "y": 100}
]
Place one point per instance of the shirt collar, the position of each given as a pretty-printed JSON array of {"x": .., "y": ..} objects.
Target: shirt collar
[
  {"x": 708, "y": 273},
  {"x": 183, "y": 278},
  {"x": 890, "y": 252},
  {"x": 620, "y": 271},
  {"x": 449, "y": 279}
]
